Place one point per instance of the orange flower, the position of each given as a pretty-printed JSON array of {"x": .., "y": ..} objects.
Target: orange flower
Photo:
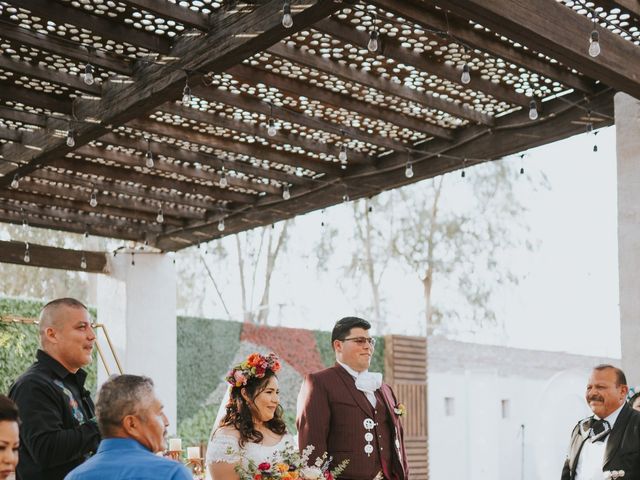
[
  {"x": 257, "y": 476},
  {"x": 254, "y": 359},
  {"x": 282, "y": 467}
]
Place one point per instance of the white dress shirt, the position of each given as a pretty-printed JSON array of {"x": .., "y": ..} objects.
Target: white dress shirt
[
  {"x": 592, "y": 454},
  {"x": 367, "y": 382}
]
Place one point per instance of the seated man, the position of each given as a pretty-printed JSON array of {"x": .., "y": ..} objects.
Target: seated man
[{"x": 133, "y": 428}]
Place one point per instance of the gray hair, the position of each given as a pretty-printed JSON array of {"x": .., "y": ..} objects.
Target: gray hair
[
  {"x": 120, "y": 396},
  {"x": 49, "y": 314}
]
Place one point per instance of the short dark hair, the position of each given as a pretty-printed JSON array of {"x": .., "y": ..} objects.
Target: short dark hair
[
  {"x": 621, "y": 378},
  {"x": 343, "y": 326},
  {"x": 120, "y": 396},
  {"x": 8, "y": 410},
  {"x": 633, "y": 398}
]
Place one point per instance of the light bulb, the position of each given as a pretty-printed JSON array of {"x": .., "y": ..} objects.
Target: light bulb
[
  {"x": 83, "y": 262},
  {"x": 286, "y": 194},
  {"x": 373, "y": 41},
  {"x": 223, "y": 179},
  {"x": 149, "y": 159},
  {"x": 533, "y": 110},
  {"x": 27, "y": 256},
  {"x": 408, "y": 172},
  {"x": 345, "y": 197},
  {"x": 186, "y": 95},
  {"x": 343, "y": 154},
  {"x": 160, "y": 216},
  {"x": 466, "y": 75},
  {"x": 287, "y": 19},
  {"x": 594, "y": 44},
  {"x": 221, "y": 225},
  {"x": 15, "y": 183},
  {"x": 88, "y": 74},
  {"x": 462, "y": 174},
  {"x": 70, "y": 140},
  {"x": 595, "y": 148},
  {"x": 271, "y": 129},
  {"x": 94, "y": 200}
]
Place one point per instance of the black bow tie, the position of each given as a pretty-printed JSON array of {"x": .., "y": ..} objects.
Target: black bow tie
[{"x": 599, "y": 430}]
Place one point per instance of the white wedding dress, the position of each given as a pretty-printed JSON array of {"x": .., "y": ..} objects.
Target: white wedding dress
[{"x": 221, "y": 443}]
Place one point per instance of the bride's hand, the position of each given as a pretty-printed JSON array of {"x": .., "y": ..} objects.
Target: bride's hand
[{"x": 223, "y": 471}]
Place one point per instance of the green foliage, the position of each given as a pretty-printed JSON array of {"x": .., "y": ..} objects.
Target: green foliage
[
  {"x": 19, "y": 342},
  {"x": 205, "y": 349}
]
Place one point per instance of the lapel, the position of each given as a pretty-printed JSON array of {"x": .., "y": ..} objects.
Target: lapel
[
  {"x": 576, "y": 448},
  {"x": 617, "y": 432},
  {"x": 357, "y": 395},
  {"x": 389, "y": 401}
]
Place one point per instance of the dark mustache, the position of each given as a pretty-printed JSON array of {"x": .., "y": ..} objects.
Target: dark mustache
[{"x": 596, "y": 398}]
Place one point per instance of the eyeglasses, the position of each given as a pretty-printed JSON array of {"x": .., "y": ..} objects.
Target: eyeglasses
[{"x": 362, "y": 340}]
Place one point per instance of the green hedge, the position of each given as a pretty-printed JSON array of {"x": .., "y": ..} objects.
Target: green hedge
[
  {"x": 19, "y": 342},
  {"x": 205, "y": 350}
]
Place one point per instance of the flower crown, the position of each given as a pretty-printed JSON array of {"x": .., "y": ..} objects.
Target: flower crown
[{"x": 255, "y": 365}]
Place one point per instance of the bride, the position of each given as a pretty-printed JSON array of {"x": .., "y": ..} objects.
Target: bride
[{"x": 252, "y": 428}]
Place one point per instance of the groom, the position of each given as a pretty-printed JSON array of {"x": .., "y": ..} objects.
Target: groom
[{"x": 348, "y": 412}]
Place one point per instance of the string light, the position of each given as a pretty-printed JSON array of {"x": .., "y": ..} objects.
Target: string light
[
  {"x": 373, "y": 40},
  {"x": 464, "y": 163},
  {"x": 93, "y": 201},
  {"x": 88, "y": 74},
  {"x": 70, "y": 140},
  {"x": 408, "y": 171},
  {"x": 595, "y": 145},
  {"x": 594, "y": 40},
  {"x": 133, "y": 260},
  {"x": 271, "y": 129},
  {"x": 287, "y": 19},
  {"x": 27, "y": 256},
  {"x": 521, "y": 166},
  {"x": 345, "y": 197},
  {"x": 223, "y": 178},
  {"x": 15, "y": 183},
  {"x": 149, "y": 159},
  {"x": 286, "y": 194},
  {"x": 221, "y": 225},
  {"x": 533, "y": 110},
  {"x": 342, "y": 156},
  {"x": 83, "y": 262},
  {"x": 186, "y": 93},
  {"x": 160, "y": 216},
  {"x": 466, "y": 75}
]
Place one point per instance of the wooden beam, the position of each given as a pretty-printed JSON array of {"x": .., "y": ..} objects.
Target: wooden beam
[
  {"x": 203, "y": 158},
  {"x": 22, "y": 117},
  {"x": 255, "y": 130},
  {"x": 511, "y": 134},
  {"x": 33, "y": 98},
  {"x": 11, "y": 216},
  {"x": 461, "y": 30},
  {"x": 630, "y": 6},
  {"x": 256, "y": 75},
  {"x": 45, "y": 191},
  {"x": 296, "y": 55},
  {"x": 83, "y": 207},
  {"x": 236, "y": 34},
  {"x": 164, "y": 9},
  {"x": 190, "y": 173},
  {"x": 130, "y": 175},
  {"x": 10, "y": 134},
  {"x": 48, "y": 74},
  {"x": 555, "y": 30},
  {"x": 63, "y": 215},
  {"x": 97, "y": 24},
  {"x": 253, "y": 150},
  {"x": 53, "y": 257},
  {"x": 251, "y": 104},
  {"x": 54, "y": 44},
  {"x": 123, "y": 188},
  {"x": 391, "y": 48}
]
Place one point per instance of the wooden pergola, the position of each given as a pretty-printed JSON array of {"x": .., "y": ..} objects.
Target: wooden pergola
[{"x": 205, "y": 118}]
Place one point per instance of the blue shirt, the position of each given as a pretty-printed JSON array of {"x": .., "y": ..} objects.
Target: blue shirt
[{"x": 125, "y": 458}]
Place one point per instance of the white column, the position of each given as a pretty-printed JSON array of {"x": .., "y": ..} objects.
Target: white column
[
  {"x": 137, "y": 304},
  {"x": 627, "y": 119}
]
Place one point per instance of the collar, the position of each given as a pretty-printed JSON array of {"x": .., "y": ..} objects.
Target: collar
[
  {"x": 350, "y": 370},
  {"x": 57, "y": 368},
  {"x": 111, "y": 444},
  {"x": 613, "y": 417}
]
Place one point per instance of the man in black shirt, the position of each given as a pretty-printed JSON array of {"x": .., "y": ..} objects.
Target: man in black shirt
[{"x": 58, "y": 430}]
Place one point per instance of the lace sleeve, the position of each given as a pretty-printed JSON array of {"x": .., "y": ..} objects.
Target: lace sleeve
[{"x": 223, "y": 448}]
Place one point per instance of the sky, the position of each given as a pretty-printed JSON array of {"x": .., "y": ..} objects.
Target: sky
[{"x": 568, "y": 289}]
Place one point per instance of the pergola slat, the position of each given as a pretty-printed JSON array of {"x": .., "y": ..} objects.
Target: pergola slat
[
  {"x": 175, "y": 12},
  {"x": 555, "y": 30},
  {"x": 297, "y": 87},
  {"x": 98, "y": 25},
  {"x": 53, "y": 257},
  {"x": 34, "y": 98}
]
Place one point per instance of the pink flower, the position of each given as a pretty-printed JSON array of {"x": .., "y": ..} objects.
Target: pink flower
[
  {"x": 240, "y": 378},
  {"x": 264, "y": 466}
]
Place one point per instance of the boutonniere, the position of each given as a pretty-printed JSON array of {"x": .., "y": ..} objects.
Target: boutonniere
[{"x": 400, "y": 409}]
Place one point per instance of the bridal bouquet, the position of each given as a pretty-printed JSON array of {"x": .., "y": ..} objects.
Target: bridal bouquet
[{"x": 290, "y": 464}]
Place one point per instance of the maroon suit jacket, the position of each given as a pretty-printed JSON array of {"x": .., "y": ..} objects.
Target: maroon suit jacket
[{"x": 331, "y": 415}]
